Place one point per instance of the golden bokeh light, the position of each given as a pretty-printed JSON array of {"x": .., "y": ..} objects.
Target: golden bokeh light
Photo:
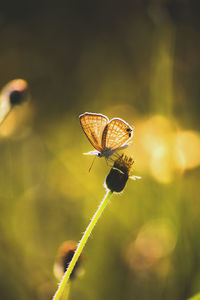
[
  {"x": 154, "y": 147},
  {"x": 156, "y": 240},
  {"x": 163, "y": 150},
  {"x": 186, "y": 150}
]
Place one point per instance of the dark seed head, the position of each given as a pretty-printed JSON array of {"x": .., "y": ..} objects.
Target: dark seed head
[
  {"x": 116, "y": 180},
  {"x": 119, "y": 174},
  {"x": 16, "y": 91},
  {"x": 17, "y": 97}
]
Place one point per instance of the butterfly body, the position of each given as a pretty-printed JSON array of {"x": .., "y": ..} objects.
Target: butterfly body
[
  {"x": 104, "y": 153},
  {"x": 106, "y": 136}
]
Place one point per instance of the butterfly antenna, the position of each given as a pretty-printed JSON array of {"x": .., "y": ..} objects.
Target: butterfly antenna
[{"x": 91, "y": 164}]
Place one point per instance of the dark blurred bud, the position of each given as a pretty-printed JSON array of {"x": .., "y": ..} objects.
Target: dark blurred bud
[
  {"x": 18, "y": 91},
  {"x": 13, "y": 93},
  {"x": 119, "y": 173},
  {"x": 65, "y": 255}
]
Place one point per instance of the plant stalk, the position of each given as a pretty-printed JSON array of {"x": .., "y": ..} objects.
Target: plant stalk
[{"x": 81, "y": 245}]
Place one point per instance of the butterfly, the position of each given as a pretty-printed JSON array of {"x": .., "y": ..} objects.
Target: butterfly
[{"x": 106, "y": 136}]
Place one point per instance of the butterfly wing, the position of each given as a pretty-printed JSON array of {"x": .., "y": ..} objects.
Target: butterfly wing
[
  {"x": 116, "y": 133},
  {"x": 93, "y": 126}
]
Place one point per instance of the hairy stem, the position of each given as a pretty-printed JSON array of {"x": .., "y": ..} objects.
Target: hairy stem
[{"x": 81, "y": 245}]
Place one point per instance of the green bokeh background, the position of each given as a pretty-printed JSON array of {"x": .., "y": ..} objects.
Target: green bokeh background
[{"x": 128, "y": 59}]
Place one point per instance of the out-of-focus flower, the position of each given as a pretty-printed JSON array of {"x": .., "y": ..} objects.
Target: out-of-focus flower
[
  {"x": 13, "y": 117},
  {"x": 64, "y": 257},
  {"x": 119, "y": 173},
  {"x": 13, "y": 93},
  {"x": 17, "y": 91}
]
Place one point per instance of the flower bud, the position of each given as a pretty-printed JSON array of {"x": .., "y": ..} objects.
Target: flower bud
[
  {"x": 119, "y": 173},
  {"x": 17, "y": 91},
  {"x": 13, "y": 93}
]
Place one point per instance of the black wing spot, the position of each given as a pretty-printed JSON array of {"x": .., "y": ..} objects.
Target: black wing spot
[
  {"x": 128, "y": 129},
  {"x": 129, "y": 134}
]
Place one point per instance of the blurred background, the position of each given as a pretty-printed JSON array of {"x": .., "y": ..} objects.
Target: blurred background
[{"x": 138, "y": 60}]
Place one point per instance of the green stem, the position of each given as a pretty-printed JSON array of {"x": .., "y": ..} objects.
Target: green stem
[
  {"x": 4, "y": 111},
  {"x": 81, "y": 245},
  {"x": 65, "y": 295}
]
